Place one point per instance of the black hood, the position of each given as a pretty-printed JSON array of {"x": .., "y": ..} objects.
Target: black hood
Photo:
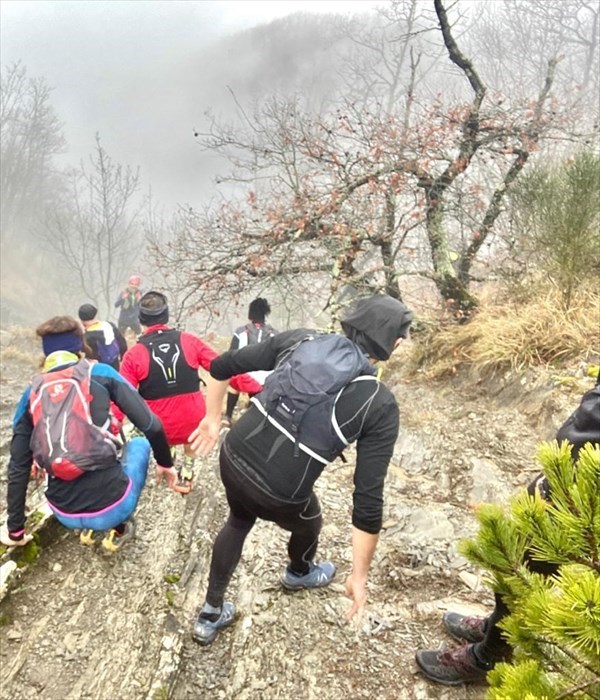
[{"x": 376, "y": 323}]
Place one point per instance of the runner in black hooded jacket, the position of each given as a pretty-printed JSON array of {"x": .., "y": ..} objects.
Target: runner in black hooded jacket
[{"x": 263, "y": 478}]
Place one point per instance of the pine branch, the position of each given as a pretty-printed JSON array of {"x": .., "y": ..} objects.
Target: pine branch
[
  {"x": 570, "y": 654},
  {"x": 582, "y": 687}
]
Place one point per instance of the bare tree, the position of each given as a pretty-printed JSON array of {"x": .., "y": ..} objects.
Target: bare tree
[
  {"x": 30, "y": 137},
  {"x": 512, "y": 41},
  {"x": 360, "y": 198},
  {"x": 95, "y": 228}
]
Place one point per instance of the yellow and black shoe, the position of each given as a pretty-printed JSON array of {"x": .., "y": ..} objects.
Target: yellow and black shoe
[
  {"x": 88, "y": 538},
  {"x": 115, "y": 538},
  {"x": 186, "y": 476}
]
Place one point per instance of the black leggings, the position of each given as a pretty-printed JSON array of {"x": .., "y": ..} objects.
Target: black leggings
[
  {"x": 249, "y": 498},
  {"x": 494, "y": 646}
]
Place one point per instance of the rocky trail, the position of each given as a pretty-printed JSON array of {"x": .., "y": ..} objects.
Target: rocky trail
[{"x": 81, "y": 625}]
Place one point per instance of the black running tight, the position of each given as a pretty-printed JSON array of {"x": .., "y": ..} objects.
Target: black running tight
[
  {"x": 494, "y": 646},
  {"x": 248, "y": 500}
]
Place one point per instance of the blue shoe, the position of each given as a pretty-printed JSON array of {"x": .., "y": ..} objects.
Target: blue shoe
[
  {"x": 205, "y": 631},
  {"x": 318, "y": 576}
]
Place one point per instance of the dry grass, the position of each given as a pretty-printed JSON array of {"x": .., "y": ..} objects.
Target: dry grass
[
  {"x": 20, "y": 345},
  {"x": 13, "y": 354},
  {"x": 509, "y": 336}
]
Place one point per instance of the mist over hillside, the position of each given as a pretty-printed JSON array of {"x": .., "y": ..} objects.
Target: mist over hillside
[
  {"x": 152, "y": 97},
  {"x": 156, "y": 116}
]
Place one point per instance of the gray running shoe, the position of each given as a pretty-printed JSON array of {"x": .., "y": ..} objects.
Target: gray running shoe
[
  {"x": 318, "y": 576},
  {"x": 452, "y": 667},
  {"x": 205, "y": 631},
  {"x": 465, "y": 627}
]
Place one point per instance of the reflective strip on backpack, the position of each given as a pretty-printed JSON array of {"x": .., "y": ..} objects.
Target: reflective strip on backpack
[
  {"x": 334, "y": 422},
  {"x": 62, "y": 434},
  {"x": 281, "y": 429},
  {"x": 48, "y": 438}
]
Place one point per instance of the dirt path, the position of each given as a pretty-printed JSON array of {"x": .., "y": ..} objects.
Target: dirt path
[{"x": 81, "y": 625}]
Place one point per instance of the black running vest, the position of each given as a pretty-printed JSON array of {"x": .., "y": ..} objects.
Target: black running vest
[{"x": 168, "y": 374}]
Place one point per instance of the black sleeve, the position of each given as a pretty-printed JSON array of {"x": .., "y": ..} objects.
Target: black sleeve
[
  {"x": 19, "y": 466},
  {"x": 254, "y": 357},
  {"x": 235, "y": 342},
  {"x": 583, "y": 425},
  {"x": 136, "y": 409},
  {"x": 375, "y": 448}
]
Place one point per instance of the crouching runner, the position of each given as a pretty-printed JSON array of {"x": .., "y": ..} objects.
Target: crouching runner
[
  {"x": 322, "y": 395},
  {"x": 62, "y": 422}
]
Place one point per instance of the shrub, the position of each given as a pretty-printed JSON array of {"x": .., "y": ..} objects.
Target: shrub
[
  {"x": 554, "y": 625},
  {"x": 557, "y": 210}
]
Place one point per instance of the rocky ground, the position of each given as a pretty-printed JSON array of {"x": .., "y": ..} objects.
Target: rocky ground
[{"x": 83, "y": 625}]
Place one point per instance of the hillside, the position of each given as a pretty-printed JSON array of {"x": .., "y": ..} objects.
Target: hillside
[{"x": 84, "y": 626}]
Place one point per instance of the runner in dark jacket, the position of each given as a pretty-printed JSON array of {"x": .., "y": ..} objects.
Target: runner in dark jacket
[
  {"x": 257, "y": 330},
  {"x": 128, "y": 301},
  {"x": 102, "y": 499},
  {"x": 487, "y": 646},
  {"x": 265, "y": 477}
]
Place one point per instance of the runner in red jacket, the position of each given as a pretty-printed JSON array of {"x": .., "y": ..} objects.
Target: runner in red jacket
[{"x": 163, "y": 366}]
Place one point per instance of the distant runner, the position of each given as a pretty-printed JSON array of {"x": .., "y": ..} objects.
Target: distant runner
[
  {"x": 129, "y": 302},
  {"x": 104, "y": 339},
  {"x": 257, "y": 330}
]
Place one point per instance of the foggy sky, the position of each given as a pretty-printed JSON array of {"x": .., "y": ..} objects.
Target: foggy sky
[{"x": 122, "y": 68}]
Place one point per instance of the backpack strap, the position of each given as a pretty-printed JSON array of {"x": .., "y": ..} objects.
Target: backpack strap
[
  {"x": 336, "y": 426},
  {"x": 297, "y": 445}
]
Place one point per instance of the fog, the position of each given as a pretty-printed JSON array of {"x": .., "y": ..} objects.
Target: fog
[
  {"x": 306, "y": 102},
  {"x": 126, "y": 70}
]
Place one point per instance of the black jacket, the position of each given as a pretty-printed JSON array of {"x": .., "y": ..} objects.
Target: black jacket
[{"x": 367, "y": 413}]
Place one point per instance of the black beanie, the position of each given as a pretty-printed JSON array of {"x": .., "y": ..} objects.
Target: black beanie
[
  {"x": 87, "y": 312},
  {"x": 154, "y": 309}
]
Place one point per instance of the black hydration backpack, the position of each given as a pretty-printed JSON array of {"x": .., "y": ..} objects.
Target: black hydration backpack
[
  {"x": 256, "y": 333},
  {"x": 169, "y": 374},
  {"x": 299, "y": 396}
]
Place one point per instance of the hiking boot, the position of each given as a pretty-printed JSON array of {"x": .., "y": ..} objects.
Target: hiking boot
[
  {"x": 318, "y": 576},
  {"x": 114, "y": 540},
  {"x": 452, "y": 667},
  {"x": 464, "y": 627},
  {"x": 205, "y": 630},
  {"x": 88, "y": 538},
  {"x": 186, "y": 476}
]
